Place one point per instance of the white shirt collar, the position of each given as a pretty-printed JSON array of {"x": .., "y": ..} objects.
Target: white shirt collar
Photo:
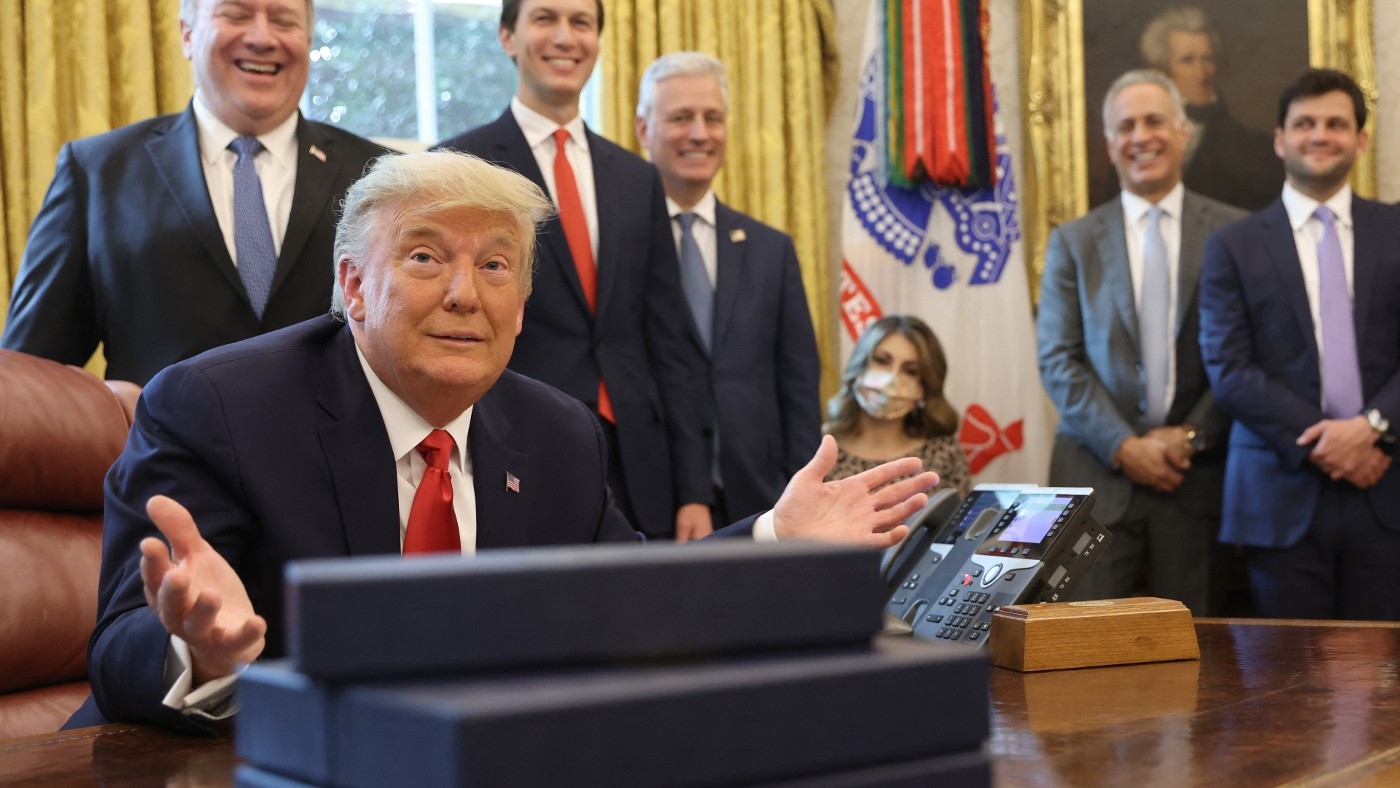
[
  {"x": 705, "y": 209},
  {"x": 215, "y": 137},
  {"x": 1135, "y": 207},
  {"x": 405, "y": 427},
  {"x": 538, "y": 129},
  {"x": 1300, "y": 207}
]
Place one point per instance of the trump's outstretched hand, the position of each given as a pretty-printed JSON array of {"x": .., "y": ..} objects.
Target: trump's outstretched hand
[
  {"x": 197, "y": 595},
  {"x": 862, "y": 509}
]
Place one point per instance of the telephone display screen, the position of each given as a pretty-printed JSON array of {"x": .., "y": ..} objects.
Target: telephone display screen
[
  {"x": 1033, "y": 520},
  {"x": 979, "y": 501}
]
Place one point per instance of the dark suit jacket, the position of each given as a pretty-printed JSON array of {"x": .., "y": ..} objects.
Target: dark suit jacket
[
  {"x": 126, "y": 250},
  {"x": 637, "y": 341},
  {"x": 1091, "y": 362},
  {"x": 1261, "y": 353},
  {"x": 1233, "y": 163},
  {"x": 278, "y": 449},
  {"x": 764, "y": 367}
]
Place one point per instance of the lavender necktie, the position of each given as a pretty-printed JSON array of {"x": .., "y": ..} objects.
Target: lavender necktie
[
  {"x": 1155, "y": 320},
  {"x": 1341, "y": 374},
  {"x": 695, "y": 281},
  {"x": 252, "y": 233}
]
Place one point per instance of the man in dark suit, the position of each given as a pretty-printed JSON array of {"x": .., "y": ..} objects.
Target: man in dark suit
[
  {"x": 137, "y": 245},
  {"x": 602, "y": 325},
  {"x": 744, "y": 288},
  {"x": 1300, "y": 331},
  {"x": 1116, "y": 336},
  {"x": 301, "y": 444}
]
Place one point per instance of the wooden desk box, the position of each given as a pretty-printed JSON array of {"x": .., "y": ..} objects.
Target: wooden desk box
[{"x": 1059, "y": 635}]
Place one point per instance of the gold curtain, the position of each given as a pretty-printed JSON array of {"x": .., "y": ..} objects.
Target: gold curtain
[
  {"x": 69, "y": 69},
  {"x": 783, "y": 74}
]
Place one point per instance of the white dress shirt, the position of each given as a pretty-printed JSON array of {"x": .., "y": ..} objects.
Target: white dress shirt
[
  {"x": 1135, "y": 225},
  {"x": 539, "y": 133},
  {"x": 276, "y": 167},
  {"x": 1307, "y": 234}
]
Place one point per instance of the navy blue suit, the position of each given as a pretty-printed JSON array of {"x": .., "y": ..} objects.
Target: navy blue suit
[
  {"x": 637, "y": 340},
  {"x": 1259, "y": 349},
  {"x": 764, "y": 366},
  {"x": 278, "y": 449},
  {"x": 126, "y": 249}
]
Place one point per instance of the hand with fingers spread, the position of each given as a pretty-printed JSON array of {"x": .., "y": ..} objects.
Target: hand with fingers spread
[
  {"x": 197, "y": 595},
  {"x": 861, "y": 509}
]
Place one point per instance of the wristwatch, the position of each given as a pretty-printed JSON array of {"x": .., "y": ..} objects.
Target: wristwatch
[
  {"x": 1378, "y": 422},
  {"x": 1195, "y": 436}
]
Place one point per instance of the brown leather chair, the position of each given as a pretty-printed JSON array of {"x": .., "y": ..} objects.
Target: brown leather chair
[{"x": 60, "y": 429}]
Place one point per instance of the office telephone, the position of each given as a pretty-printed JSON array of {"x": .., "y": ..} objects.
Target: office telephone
[{"x": 1019, "y": 544}]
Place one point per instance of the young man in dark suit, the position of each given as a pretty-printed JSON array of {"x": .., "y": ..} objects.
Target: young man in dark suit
[
  {"x": 1300, "y": 330},
  {"x": 602, "y": 325},
  {"x": 151, "y": 242},
  {"x": 748, "y": 309}
]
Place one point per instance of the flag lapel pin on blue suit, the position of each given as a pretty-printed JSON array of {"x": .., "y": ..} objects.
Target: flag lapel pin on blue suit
[
  {"x": 738, "y": 236},
  {"x": 512, "y": 482}
]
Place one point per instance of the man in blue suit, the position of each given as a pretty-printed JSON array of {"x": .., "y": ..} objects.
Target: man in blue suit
[
  {"x": 748, "y": 309},
  {"x": 1116, "y": 337},
  {"x": 390, "y": 425},
  {"x": 137, "y": 245},
  {"x": 1300, "y": 332},
  {"x": 603, "y": 324}
]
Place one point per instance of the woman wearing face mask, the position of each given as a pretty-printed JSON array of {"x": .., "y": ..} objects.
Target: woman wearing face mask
[{"x": 891, "y": 404}]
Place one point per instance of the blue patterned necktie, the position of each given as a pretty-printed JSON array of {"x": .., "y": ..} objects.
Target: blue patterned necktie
[
  {"x": 252, "y": 233},
  {"x": 695, "y": 281},
  {"x": 1155, "y": 320},
  {"x": 1341, "y": 374}
]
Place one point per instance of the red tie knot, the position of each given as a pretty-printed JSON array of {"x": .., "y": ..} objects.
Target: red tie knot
[
  {"x": 561, "y": 138},
  {"x": 437, "y": 448}
]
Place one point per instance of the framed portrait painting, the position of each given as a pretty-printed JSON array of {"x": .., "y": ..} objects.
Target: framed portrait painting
[{"x": 1229, "y": 59}]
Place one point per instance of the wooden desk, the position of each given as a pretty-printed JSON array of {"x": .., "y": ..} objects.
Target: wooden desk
[{"x": 1270, "y": 703}]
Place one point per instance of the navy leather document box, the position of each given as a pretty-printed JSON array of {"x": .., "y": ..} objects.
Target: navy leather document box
[
  {"x": 381, "y": 617},
  {"x": 734, "y": 721},
  {"x": 963, "y": 770}
]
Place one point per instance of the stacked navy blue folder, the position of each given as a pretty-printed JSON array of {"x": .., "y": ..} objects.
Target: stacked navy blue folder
[{"x": 724, "y": 664}]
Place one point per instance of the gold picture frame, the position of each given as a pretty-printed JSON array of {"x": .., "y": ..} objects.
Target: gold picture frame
[{"x": 1055, "y": 180}]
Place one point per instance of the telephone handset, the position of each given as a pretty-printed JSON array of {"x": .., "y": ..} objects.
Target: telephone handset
[
  {"x": 924, "y": 525},
  {"x": 934, "y": 549},
  {"x": 1035, "y": 551}
]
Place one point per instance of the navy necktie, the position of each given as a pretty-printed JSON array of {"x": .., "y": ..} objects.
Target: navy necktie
[
  {"x": 1155, "y": 320},
  {"x": 252, "y": 233},
  {"x": 695, "y": 281},
  {"x": 1341, "y": 374}
]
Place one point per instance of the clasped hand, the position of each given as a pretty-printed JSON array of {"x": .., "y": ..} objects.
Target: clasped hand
[{"x": 1345, "y": 450}]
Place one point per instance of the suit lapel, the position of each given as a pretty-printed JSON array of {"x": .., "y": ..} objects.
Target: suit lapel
[
  {"x": 731, "y": 257},
  {"x": 1194, "y": 229},
  {"x": 1280, "y": 258},
  {"x": 501, "y": 519},
  {"x": 1366, "y": 256},
  {"x": 607, "y": 194},
  {"x": 316, "y": 176},
  {"x": 174, "y": 151},
  {"x": 357, "y": 452},
  {"x": 1118, "y": 280}
]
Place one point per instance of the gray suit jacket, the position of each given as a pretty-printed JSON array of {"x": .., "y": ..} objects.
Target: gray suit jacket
[{"x": 1091, "y": 363}]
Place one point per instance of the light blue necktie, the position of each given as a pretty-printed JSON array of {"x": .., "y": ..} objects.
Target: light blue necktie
[
  {"x": 1341, "y": 374},
  {"x": 699, "y": 293},
  {"x": 1155, "y": 320},
  {"x": 252, "y": 233}
]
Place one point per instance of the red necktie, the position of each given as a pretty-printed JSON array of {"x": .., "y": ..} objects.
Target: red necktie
[
  {"x": 432, "y": 522},
  {"x": 575, "y": 223}
]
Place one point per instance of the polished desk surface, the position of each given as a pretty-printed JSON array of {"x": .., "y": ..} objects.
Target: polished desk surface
[{"x": 1270, "y": 703}]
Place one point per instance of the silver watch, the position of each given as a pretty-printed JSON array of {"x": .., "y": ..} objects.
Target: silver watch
[{"x": 1378, "y": 422}]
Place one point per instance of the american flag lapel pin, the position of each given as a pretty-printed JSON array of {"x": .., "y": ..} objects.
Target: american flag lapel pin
[
  {"x": 318, "y": 153},
  {"x": 738, "y": 236},
  {"x": 512, "y": 482}
]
